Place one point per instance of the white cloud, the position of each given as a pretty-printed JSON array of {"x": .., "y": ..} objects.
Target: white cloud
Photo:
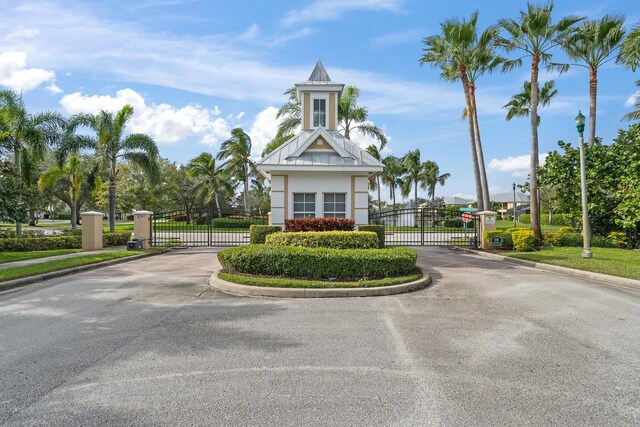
[
  {"x": 631, "y": 101},
  {"x": 363, "y": 140},
  {"x": 15, "y": 75},
  {"x": 54, "y": 89},
  {"x": 518, "y": 166},
  {"x": 323, "y": 10},
  {"x": 401, "y": 37},
  {"x": 263, "y": 130},
  {"x": 163, "y": 122}
]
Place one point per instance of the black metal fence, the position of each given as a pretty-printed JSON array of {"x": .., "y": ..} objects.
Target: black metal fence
[
  {"x": 203, "y": 226},
  {"x": 428, "y": 227}
]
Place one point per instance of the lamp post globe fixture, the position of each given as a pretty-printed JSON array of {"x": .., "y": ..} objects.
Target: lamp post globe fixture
[{"x": 586, "y": 228}]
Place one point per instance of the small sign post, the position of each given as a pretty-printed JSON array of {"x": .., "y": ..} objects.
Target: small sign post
[{"x": 496, "y": 241}]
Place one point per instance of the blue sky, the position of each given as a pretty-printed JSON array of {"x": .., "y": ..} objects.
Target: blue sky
[{"x": 194, "y": 69}]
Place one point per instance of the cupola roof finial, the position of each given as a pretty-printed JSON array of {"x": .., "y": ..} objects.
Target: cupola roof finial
[{"x": 319, "y": 74}]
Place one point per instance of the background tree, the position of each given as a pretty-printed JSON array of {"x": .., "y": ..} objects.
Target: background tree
[
  {"x": 111, "y": 145},
  {"x": 629, "y": 54},
  {"x": 236, "y": 153},
  {"x": 433, "y": 177},
  {"x": 374, "y": 182},
  {"x": 21, "y": 131},
  {"x": 534, "y": 35},
  {"x": 414, "y": 174},
  {"x": 520, "y": 103},
  {"x": 634, "y": 115},
  {"x": 391, "y": 176},
  {"x": 210, "y": 180},
  {"x": 593, "y": 45}
]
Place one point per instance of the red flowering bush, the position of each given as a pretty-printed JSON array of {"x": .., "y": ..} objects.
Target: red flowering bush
[{"x": 319, "y": 224}]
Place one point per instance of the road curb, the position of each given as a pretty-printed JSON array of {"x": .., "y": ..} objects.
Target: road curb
[
  {"x": 263, "y": 291},
  {"x": 596, "y": 277},
  {"x": 15, "y": 283}
]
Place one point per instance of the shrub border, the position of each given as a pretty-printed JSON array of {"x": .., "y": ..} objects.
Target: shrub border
[{"x": 262, "y": 291}]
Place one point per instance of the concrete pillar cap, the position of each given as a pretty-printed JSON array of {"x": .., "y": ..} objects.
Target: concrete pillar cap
[
  {"x": 143, "y": 213},
  {"x": 91, "y": 213},
  {"x": 487, "y": 213}
]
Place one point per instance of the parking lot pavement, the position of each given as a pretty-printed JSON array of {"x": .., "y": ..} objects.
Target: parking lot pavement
[{"x": 149, "y": 343}]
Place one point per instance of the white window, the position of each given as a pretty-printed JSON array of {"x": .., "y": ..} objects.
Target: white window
[
  {"x": 304, "y": 205},
  {"x": 335, "y": 205},
  {"x": 319, "y": 112}
]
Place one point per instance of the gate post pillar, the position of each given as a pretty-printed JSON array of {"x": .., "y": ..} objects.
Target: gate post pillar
[
  {"x": 142, "y": 227},
  {"x": 487, "y": 223},
  {"x": 91, "y": 231}
]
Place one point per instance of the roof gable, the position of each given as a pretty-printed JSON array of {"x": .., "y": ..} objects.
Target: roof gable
[
  {"x": 319, "y": 74},
  {"x": 320, "y": 132}
]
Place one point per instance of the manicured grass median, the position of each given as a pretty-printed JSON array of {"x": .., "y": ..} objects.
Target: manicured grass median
[
  {"x": 21, "y": 256},
  {"x": 278, "y": 282},
  {"x": 48, "y": 266},
  {"x": 616, "y": 262}
]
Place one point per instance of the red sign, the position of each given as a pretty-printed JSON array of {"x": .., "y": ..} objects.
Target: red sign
[{"x": 467, "y": 217}]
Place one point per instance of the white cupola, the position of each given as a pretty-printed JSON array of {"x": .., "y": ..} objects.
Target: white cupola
[{"x": 319, "y": 98}]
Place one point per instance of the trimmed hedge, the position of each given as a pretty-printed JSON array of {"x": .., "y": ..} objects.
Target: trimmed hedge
[
  {"x": 326, "y": 239},
  {"x": 258, "y": 233},
  {"x": 525, "y": 218},
  {"x": 507, "y": 240},
  {"x": 118, "y": 238},
  {"x": 319, "y": 224},
  {"x": 11, "y": 234},
  {"x": 318, "y": 263},
  {"x": 556, "y": 219},
  {"x": 620, "y": 239},
  {"x": 523, "y": 240},
  {"x": 378, "y": 229}
]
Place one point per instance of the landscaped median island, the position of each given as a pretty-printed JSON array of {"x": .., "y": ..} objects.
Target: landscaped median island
[{"x": 332, "y": 259}]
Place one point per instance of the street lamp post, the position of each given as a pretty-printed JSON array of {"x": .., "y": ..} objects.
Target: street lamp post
[
  {"x": 586, "y": 229},
  {"x": 514, "y": 206}
]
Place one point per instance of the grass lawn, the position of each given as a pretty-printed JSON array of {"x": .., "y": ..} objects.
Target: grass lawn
[
  {"x": 504, "y": 225},
  {"x": 285, "y": 282},
  {"x": 616, "y": 262},
  {"x": 48, "y": 266},
  {"x": 21, "y": 256}
]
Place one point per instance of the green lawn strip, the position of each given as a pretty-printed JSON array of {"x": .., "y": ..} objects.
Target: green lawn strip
[
  {"x": 21, "y": 256},
  {"x": 49, "y": 266},
  {"x": 505, "y": 225},
  {"x": 615, "y": 262},
  {"x": 284, "y": 282}
]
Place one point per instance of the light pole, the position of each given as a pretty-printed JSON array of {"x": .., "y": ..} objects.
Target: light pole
[
  {"x": 586, "y": 229},
  {"x": 514, "y": 206}
]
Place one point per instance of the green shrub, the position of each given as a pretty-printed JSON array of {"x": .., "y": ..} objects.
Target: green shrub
[
  {"x": 602, "y": 242},
  {"x": 619, "y": 238},
  {"x": 511, "y": 230},
  {"x": 235, "y": 223},
  {"x": 525, "y": 218},
  {"x": 523, "y": 240},
  {"x": 118, "y": 238},
  {"x": 507, "y": 239},
  {"x": 326, "y": 239},
  {"x": 570, "y": 239},
  {"x": 11, "y": 234},
  {"x": 567, "y": 230},
  {"x": 257, "y": 233},
  {"x": 318, "y": 263},
  {"x": 553, "y": 237},
  {"x": 453, "y": 223},
  {"x": 378, "y": 229},
  {"x": 561, "y": 219}
]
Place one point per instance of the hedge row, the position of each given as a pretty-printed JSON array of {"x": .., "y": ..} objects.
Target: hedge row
[
  {"x": 258, "y": 233},
  {"x": 118, "y": 238},
  {"x": 318, "y": 263},
  {"x": 556, "y": 219},
  {"x": 521, "y": 239},
  {"x": 319, "y": 224},
  {"x": 326, "y": 239},
  {"x": 378, "y": 229},
  {"x": 235, "y": 223}
]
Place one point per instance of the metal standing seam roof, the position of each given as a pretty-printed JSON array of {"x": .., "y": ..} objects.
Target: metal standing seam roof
[{"x": 283, "y": 156}]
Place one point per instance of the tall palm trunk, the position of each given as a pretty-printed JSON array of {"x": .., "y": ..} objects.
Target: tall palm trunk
[
  {"x": 379, "y": 200},
  {"x": 246, "y": 187},
  {"x": 18, "y": 171},
  {"x": 486, "y": 198},
  {"x": 533, "y": 180},
  {"x": 472, "y": 139},
  {"x": 74, "y": 212},
  {"x": 218, "y": 205},
  {"x": 415, "y": 190},
  {"x": 112, "y": 196},
  {"x": 593, "y": 93}
]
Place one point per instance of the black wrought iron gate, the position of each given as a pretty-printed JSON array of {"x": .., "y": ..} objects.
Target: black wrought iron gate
[
  {"x": 203, "y": 226},
  {"x": 428, "y": 227}
]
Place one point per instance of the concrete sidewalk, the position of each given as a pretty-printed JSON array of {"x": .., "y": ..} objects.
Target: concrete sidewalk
[{"x": 58, "y": 257}]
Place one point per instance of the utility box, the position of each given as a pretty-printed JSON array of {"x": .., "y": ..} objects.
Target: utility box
[{"x": 135, "y": 245}]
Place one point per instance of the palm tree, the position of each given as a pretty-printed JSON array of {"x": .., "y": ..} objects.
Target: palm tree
[
  {"x": 634, "y": 115},
  {"x": 210, "y": 180},
  {"x": 374, "y": 182},
  {"x": 454, "y": 51},
  {"x": 414, "y": 173},
  {"x": 391, "y": 175},
  {"x": 236, "y": 153},
  {"x": 350, "y": 116},
  {"x": 533, "y": 35},
  {"x": 629, "y": 54},
  {"x": 593, "y": 45},
  {"x": 433, "y": 177},
  {"x": 111, "y": 146},
  {"x": 27, "y": 135},
  {"x": 276, "y": 142},
  {"x": 520, "y": 103}
]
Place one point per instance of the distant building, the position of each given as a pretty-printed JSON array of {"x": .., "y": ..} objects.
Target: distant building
[{"x": 506, "y": 202}]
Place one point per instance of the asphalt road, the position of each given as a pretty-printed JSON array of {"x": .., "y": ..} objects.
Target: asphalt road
[{"x": 148, "y": 343}]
